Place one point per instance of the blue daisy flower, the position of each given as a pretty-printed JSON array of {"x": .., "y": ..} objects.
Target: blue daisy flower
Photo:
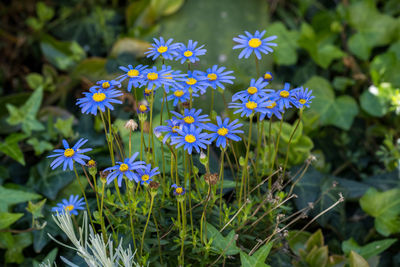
[
  {"x": 107, "y": 84},
  {"x": 98, "y": 99},
  {"x": 190, "y": 52},
  {"x": 69, "y": 155},
  {"x": 178, "y": 190},
  {"x": 172, "y": 127},
  {"x": 143, "y": 108},
  {"x": 154, "y": 78},
  {"x": 216, "y": 77},
  {"x": 224, "y": 131},
  {"x": 268, "y": 77},
  {"x": 127, "y": 168},
  {"x": 72, "y": 205},
  {"x": 272, "y": 109},
  {"x": 174, "y": 77},
  {"x": 192, "y": 117},
  {"x": 146, "y": 174},
  {"x": 191, "y": 137},
  {"x": 254, "y": 43},
  {"x": 196, "y": 80},
  {"x": 180, "y": 95},
  {"x": 134, "y": 75},
  {"x": 286, "y": 97},
  {"x": 248, "y": 107},
  {"x": 303, "y": 96},
  {"x": 255, "y": 90},
  {"x": 164, "y": 49}
]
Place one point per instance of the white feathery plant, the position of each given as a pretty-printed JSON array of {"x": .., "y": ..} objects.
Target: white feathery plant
[{"x": 90, "y": 246}]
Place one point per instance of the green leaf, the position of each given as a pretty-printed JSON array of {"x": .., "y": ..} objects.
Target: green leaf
[
  {"x": 318, "y": 256},
  {"x": 356, "y": 260},
  {"x": 339, "y": 111},
  {"x": 285, "y": 53},
  {"x": 10, "y": 147},
  {"x": 6, "y": 219},
  {"x": 11, "y": 196},
  {"x": 386, "y": 65},
  {"x": 44, "y": 12},
  {"x": 385, "y": 208},
  {"x": 373, "y": 104},
  {"x": 62, "y": 54},
  {"x": 359, "y": 46},
  {"x": 91, "y": 68},
  {"x": 36, "y": 208},
  {"x": 14, "y": 252},
  {"x": 34, "y": 80},
  {"x": 220, "y": 243},
  {"x": 165, "y": 7},
  {"x": 315, "y": 240},
  {"x": 40, "y": 146},
  {"x": 258, "y": 258},
  {"x": 326, "y": 53},
  {"x": 297, "y": 240},
  {"x": 26, "y": 114},
  {"x": 130, "y": 45},
  {"x": 65, "y": 126},
  {"x": 341, "y": 83},
  {"x": 368, "y": 251}
]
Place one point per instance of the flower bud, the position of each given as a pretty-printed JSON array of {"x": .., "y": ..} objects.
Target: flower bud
[
  {"x": 203, "y": 158},
  {"x": 91, "y": 164}
]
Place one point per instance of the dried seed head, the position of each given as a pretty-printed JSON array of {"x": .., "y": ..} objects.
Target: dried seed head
[
  {"x": 186, "y": 104},
  {"x": 131, "y": 125},
  {"x": 153, "y": 185},
  {"x": 211, "y": 178}
]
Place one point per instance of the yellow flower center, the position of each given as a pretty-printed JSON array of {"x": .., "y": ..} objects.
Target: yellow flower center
[
  {"x": 145, "y": 177},
  {"x": 251, "y": 105},
  {"x": 190, "y": 138},
  {"x": 272, "y": 105},
  {"x": 212, "y": 76},
  {"x": 175, "y": 128},
  {"x": 133, "y": 73},
  {"x": 162, "y": 49},
  {"x": 91, "y": 162},
  {"x": 123, "y": 167},
  {"x": 302, "y": 101},
  {"x": 105, "y": 85},
  {"x": 148, "y": 91},
  {"x": 222, "y": 131},
  {"x": 252, "y": 90},
  {"x": 188, "y": 53},
  {"x": 152, "y": 76},
  {"x": 142, "y": 108},
  {"x": 267, "y": 76},
  {"x": 178, "y": 93},
  {"x": 98, "y": 97},
  {"x": 69, "y": 152},
  {"x": 179, "y": 190},
  {"x": 284, "y": 93},
  {"x": 191, "y": 81},
  {"x": 69, "y": 207},
  {"x": 189, "y": 119},
  {"x": 254, "y": 42}
]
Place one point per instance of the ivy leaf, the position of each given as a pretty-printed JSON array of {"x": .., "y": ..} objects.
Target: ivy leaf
[
  {"x": 34, "y": 80},
  {"x": 339, "y": 111},
  {"x": 65, "y": 126},
  {"x": 6, "y": 219},
  {"x": 14, "y": 251},
  {"x": 258, "y": 258},
  {"x": 385, "y": 208},
  {"x": 373, "y": 104},
  {"x": 11, "y": 196},
  {"x": 285, "y": 53},
  {"x": 26, "y": 114},
  {"x": 368, "y": 251},
  {"x": 36, "y": 208},
  {"x": 44, "y": 12},
  {"x": 39, "y": 146},
  {"x": 10, "y": 147},
  {"x": 221, "y": 244}
]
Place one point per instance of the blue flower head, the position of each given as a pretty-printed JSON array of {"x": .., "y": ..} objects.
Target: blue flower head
[
  {"x": 180, "y": 95},
  {"x": 142, "y": 108},
  {"x": 191, "y": 137},
  {"x": 134, "y": 75},
  {"x": 272, "y": 109},
  {"x": 190, "y": 52},
  {"x": 178, "y": 190},
  {"x": 254, "y": 43},
  {"x": 98, "y": 99},
  {"x": 286, "y": 97},
  {"x": 154, "y": 78},
  {"x": 303, "y": 96},
  {"x": 147, "y": 92},
  {"x": 192, "y": 117},
  {"x": 195, "y": 80},
  {"x": 255, "y": 90},
  {"x": 107, "y": 84},
  {"x": 224, "y": 131},
  {"x": 146, "y": 174},
  {"x": 172, "y": 127},
  {"x": 126, "y": 168},
  {"x": 217, "y": 76},
  {"x": 70, "y": 155},
  {"x": 72, "y": 205},
  {"x": 161, "y": 48},
  {"x": 248, "y": 107},
  {"x": 268, "y": 77}
]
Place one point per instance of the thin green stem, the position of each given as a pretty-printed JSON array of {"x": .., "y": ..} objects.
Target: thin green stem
[
  {"x": 130, "y": 203},
  {"x": 84, "y": 195},
  {"x": 147, "y": 223},
  {"x": 290, "y": 140},
  {"x": 244, "y": 172},
  {"x": 277, "y": 144},
  {"x": 221, "y": 180}
]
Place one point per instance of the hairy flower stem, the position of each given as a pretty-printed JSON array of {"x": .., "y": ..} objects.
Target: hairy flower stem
[
  {"x": 162, "y": 149},
  {"x": 212, "y": 101},
  {"x": 246, "y": 160},
  {"x": 130, "y": 204},
  {"x": 258, "y": 149},
  {"x": 276, "y": 147},
  {"x": 269, "y": 149},
  {"x": 103, "y": 229},
  {"x": 203, "y": 216},
  {"x": 130, "y": 142},
  {"x": 221, "y": 180},
  {"x": 257, "y": 65},
  {"x": 151, "y": 138},
  {"x": 84, "y": 195},
  {"x": 147, "y": 223},
  {"x": 141, "y": 140},
  {"x": 290, "y": 140},
  {"x": 183, "y": 233}
]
